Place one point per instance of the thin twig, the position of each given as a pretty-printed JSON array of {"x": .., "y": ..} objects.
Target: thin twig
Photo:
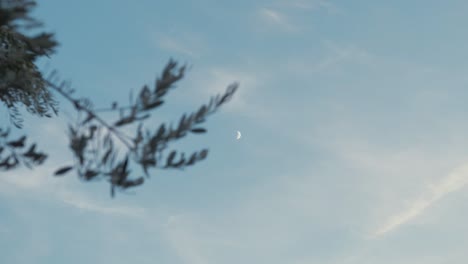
[{"x": 79, "y": 107}]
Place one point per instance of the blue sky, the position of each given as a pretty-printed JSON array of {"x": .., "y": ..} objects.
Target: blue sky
[{"x": 354, "y": 147}]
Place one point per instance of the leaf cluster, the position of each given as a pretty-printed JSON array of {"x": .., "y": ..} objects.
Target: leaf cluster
[
  {"x": 15, "y": 152},
  {"x": 95, "y": 142},
  {"x": 21, "y": 82}
]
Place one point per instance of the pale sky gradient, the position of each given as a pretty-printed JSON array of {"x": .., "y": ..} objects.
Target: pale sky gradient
[{"x": 354, "y": 144}]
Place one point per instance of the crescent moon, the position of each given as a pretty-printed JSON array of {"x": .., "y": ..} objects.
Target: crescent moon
[{"x": 239, "y": 135}]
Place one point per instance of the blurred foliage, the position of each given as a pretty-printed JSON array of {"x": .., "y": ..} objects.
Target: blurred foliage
[{"x": 100, "y": 148}]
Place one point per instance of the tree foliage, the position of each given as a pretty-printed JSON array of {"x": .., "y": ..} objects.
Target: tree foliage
[
  {"x": 100, "y": 147},
  {"x": 21, "y": 82}
]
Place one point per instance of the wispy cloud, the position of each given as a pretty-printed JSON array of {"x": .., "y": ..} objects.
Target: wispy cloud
[
  {"x": 334, "y": 56},
  {"x": 245, "y": 225},
  {"x": 272, "y": 15},
  {"x": 79, "y": 201},
  {"x": 276, "y": 19},
  {"x": 453, "y": 182},
  {"x": 283, "y": 15},
  {"x": 186, "y": 246},
  {"x": 397, "y": 173},
  {"x": 41, "y": 183},
  {"x": 313, "y": 5},
  {"x": 24, "y": 180},
  {"x": 221, "y": 78},
  {"x": 174, "y": 45},
  {"x": 214, "y": 80},
  {"x": 342, "y": 53}
]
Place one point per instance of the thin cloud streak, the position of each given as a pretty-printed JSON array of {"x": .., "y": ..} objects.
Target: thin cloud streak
[
  {"x": 79, "y": 202},
  {"x": 186, "y": 246},
  {"x": 171, "y": 44},
  {"x": 272, "y": 15},
  {"x": 25, "y": 183},
  {"x": 454, "y": 182},
  {"x": 214, "y": 80},
  {"x": 340, "y": 54},
  {"x": 311, "y": 4},
  {"x": 276, "y": 18}
]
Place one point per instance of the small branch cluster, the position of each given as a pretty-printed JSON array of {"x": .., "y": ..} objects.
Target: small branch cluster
[
  {"x": 21, "y": 83},
  {"x": 94, "y": 140},
  {"x": 13, "y": 153}
]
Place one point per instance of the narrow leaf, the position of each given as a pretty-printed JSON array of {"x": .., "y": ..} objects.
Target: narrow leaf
[
  {"x": 63, "y": 170},
  {"x": 198, "y": 130}
]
